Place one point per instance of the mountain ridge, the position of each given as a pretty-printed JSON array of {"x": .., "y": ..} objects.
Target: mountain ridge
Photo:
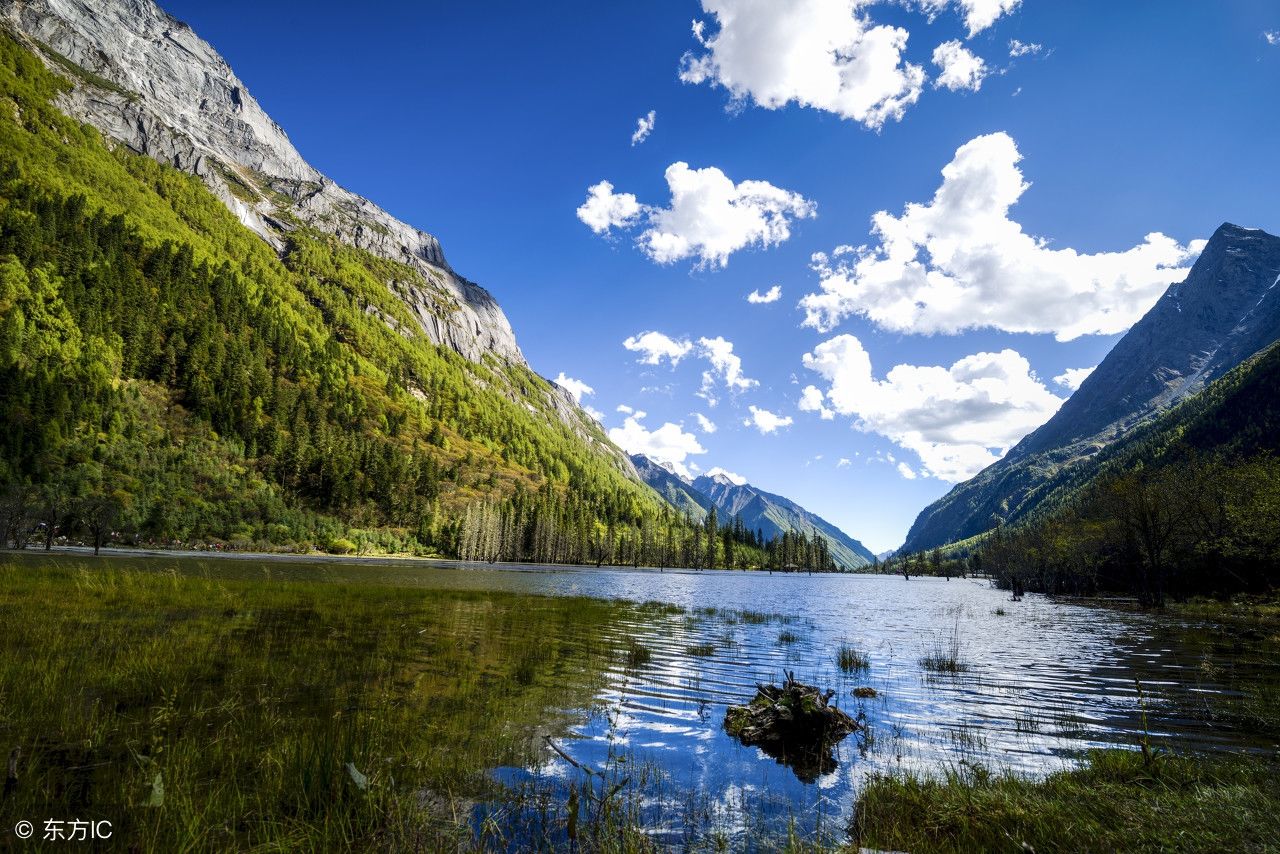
[
  {"x": 147, "y": 80},
  {"x": 1225, "y": 311},
  {"x": 762, "y": 511}
]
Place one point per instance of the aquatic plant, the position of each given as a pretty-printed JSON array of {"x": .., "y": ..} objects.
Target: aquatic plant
[
  {"x": 945, "y": 656},
  {"x": 851, "y": 659}
]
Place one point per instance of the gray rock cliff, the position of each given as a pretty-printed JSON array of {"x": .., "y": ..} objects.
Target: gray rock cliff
[{"x": 148, "y": 81}]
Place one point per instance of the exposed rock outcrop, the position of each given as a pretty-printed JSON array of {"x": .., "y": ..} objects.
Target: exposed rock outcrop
[
  {"x": 148, "y": 81},
  {"x": 1227, "y": 310}
]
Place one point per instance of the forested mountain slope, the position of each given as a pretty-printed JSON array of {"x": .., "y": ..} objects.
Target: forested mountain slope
[
  {"x": 763, "y": 514},
  {"x": 1187, "y": 503},
  {"x": 175, "y": 377},
  {"x": 675, "y": 490},
  {"x": 148, "y": 81},
  {"x": 1226, "y": 311}
]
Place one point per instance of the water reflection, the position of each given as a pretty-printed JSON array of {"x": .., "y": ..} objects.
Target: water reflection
[{"x": 1040, "y": 682}]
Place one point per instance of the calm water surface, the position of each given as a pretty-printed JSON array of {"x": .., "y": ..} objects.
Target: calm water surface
[{"x": 1045, "y": 680}]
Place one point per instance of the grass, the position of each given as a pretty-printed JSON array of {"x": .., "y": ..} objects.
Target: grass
[
  {"x": 1117, "y": 802},
  {"x": 851, "y": 659},
  {"x": 945, "y": 656},
  {"x": 1143, "y": 800},
  {"x": 277, "y": 715},
  {"x": 637, "y": 654},
  {"x": 787, "y": 636},
  {"x": 701, "y": 650}
]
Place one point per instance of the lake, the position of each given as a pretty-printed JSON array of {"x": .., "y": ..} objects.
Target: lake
[{"x": 1039, "y": 682}]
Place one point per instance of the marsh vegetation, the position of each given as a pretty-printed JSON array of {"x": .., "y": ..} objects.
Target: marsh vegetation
[{"x": 334, "y": 707}]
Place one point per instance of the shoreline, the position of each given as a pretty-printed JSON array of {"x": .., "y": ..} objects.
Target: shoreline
[{"x": 386, "y": 560}]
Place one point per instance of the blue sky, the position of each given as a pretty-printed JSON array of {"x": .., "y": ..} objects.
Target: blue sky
[{"x": 486, "y": 124}]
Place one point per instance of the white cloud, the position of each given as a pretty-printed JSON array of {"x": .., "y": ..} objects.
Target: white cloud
[
  {"x": 736, "y": 479},
  {"x": 844, "y": 463},
  {"x": 624, "y": 409},
  {"x": 1019, "y": 49},
  {"x": 577, "y": 388},
  {"x": 705, "y": 424},
  {"x": 824, "y": 54},
  {"x": 813, "y": 400},
  {"x": 958, "y": 420},
  {"x": 654, "y": 347},
  {"x": 709, "y": 218},
  {"x": 605, "y": 209},
  {"x": 980, "y": 269},
  {"x": 978, "y": 14},
  {"x": 961, "y": 69},
  {"x": 668, "y": 444},
  {"x": 906, "y": 471},
  {"x": 765, "y": 421},
  {"x": 1071, "y": 378},
  {"x": 1272, "y": 37},
  {"x": 772, "y": 295},
  {"x": 644, "y": 127},
  {"x": 725, "y": 364},
  {"x": 593, "y": 412}
]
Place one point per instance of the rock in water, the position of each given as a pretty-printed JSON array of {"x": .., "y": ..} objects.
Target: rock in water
[{"x": 794, "y": 724}]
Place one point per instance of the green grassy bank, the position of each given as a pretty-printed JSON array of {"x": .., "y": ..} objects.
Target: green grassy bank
[
  {"x": 216, "y": 715},
  {"x": 1145, "y": 800}
]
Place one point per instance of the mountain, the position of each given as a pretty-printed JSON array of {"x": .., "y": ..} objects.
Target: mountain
[
  {"x": 1226, "y": 310},
  {"x": 759, "y": 510},
  {"x": 674, "y": 489},
  {"x": 1183, "y": 505},
  {"x": 205, "y": 338},
  {"x": 147, "y": 80}
]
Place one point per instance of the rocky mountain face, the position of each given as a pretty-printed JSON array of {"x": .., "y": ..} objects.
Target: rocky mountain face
[
  {"x": 674, "y": 489},
  {"x": 148, "y": 81},
  {"x": 759, "y": 510},
  {"x": 1227, "y": 310}
]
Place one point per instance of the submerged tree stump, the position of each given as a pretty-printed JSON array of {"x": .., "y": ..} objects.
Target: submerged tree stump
[{"x": 795, "y": 724}]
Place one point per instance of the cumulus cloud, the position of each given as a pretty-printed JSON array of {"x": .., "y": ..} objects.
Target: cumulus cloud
[
  {"x": 668, "y": 444},
  {"x": 772, "y": 295},
  {"x": 709, "y": 217},
  {"x": 1018, "y": 49},
  {"x": 813, "y": 400},
  {"x": 644, "y": 127},
  {"x": 1071, "y": 378},
  {"x": 978, "y": 14},
  {"x": 1272, "y": 37},
  {"x": 906, "y": 471},
  {"x": 824, "y": 54},
  {"x": 957, "y": 419},
  {"x": 604, "y": 209},
  {"x": 844, "y": 463},
  {"x": 577, "y": 388},
  {"x": 705, "y": 424},
  {"x": 959, "y": 262},
  {"x": 725, "y": 365},
  {"x": 765, "y": 421},
  {"x": 654, "y": 347},
  {"x": 736, "y": 479},
  {"x": 960, "y": 68}
]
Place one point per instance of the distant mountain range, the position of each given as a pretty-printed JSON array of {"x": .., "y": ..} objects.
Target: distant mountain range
[
  {"x": 760, "y": 511},
  {"x": 1226, "y": 311}
]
